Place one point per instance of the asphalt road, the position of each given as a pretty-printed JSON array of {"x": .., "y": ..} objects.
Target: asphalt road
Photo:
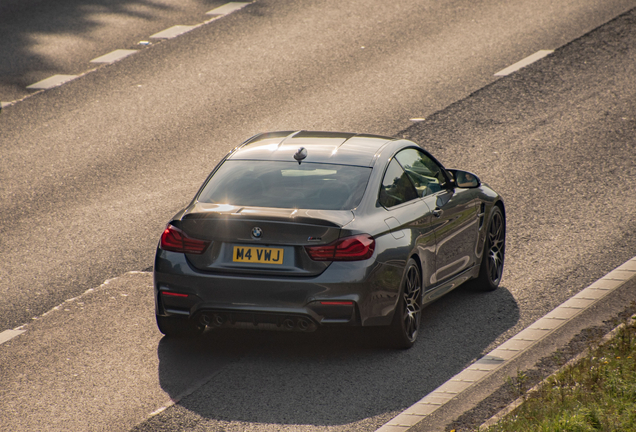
[{"x": 92, "y": 170}]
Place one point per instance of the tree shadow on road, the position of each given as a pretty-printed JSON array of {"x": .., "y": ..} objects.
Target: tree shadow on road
[
  {"x": 333, "y": 377},
  {"x": 42, "y": 38}
]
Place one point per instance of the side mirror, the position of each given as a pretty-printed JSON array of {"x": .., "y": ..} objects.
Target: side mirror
[{"x": 465, "y": 179}]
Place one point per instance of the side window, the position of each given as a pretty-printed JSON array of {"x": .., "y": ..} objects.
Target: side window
[
  {"x": 425, "y": 174},
  {"x": 396, "y": 187}
]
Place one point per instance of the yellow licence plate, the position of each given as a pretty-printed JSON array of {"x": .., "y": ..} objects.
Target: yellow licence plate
[{"x": 257, "y": 255}]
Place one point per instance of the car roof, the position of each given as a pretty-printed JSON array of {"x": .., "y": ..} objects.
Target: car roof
[{"x": 322, "y": 147}]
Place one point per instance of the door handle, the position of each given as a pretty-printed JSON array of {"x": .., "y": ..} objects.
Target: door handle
[{"x": 437, "y": 212}]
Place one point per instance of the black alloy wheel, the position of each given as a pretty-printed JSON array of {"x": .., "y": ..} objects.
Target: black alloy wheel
[
  {"x": 408, "y": 313},
  {"x": 494, "y": 252}
]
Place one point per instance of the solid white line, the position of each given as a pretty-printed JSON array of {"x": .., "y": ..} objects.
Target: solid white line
[
  {"x": 512, "y": 348},
  {"x": 173, "y": 31},
  {"x": 7, "y": 335},
  {"x": 113, "y": 56},
  {"x": 52, "y": 81},
  {"x": 525, "y": 62},
  {"x": 227, "y": 8}
]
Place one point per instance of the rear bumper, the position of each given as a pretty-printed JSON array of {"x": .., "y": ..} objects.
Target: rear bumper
[{"x": 346, "y": 293}]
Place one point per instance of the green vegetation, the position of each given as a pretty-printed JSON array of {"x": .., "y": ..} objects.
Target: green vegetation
[{"x": 596, "y": 394}]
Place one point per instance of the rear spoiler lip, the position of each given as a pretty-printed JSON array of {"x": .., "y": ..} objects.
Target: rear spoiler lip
[{"x": 332, "y": 218}]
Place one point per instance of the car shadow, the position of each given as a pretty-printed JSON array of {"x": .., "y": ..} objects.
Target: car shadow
[{"x": 330, "y": 377}]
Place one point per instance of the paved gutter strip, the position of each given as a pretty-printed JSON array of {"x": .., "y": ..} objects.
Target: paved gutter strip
[
  {"x": 525, "y": 62},
  {"x": 512, "y": 348},
  {"x": 514, "y": 405}
]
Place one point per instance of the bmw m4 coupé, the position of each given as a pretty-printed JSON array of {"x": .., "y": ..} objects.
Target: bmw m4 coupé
[{"x": 298, "y": 230}]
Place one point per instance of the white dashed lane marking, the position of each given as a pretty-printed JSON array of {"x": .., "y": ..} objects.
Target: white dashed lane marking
[
  {"x": 113, "y": 56},
  {"x": 525, "y": 62},
  {"x": 227, "y": 8},
  {"x": 119, "y": 54},
  {"x": 7, "y": 335},
  {"x": 52, "y": 81},
  {"x": 173, "y": 31}
]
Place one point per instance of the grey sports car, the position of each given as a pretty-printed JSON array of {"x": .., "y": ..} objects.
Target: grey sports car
[{"x": 296, "y": 230}]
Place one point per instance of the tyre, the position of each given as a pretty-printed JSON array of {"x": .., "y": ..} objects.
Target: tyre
[
  {"x": 405, "y": 326},
  {"x": 175, "y": 326},
  {"x": 492, "y": 262}
]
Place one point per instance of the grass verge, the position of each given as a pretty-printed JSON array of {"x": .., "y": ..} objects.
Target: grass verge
[{"x": 598, "y": 393}]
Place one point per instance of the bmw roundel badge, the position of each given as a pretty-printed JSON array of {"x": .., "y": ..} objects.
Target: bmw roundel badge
[{"x": 257, "y": 232}]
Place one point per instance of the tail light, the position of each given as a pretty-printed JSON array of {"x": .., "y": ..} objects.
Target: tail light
[
  {"x": 173, "y": 294},
  {"x": 355, "y": 248},
  {"x": 175, "y": 240}
]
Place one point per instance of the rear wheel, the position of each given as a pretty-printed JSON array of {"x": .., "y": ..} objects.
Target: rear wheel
[
  {"x": 408, "y": 313},
  {"x": 176, "y": 326},
  {"x": 492, "y": 262}
]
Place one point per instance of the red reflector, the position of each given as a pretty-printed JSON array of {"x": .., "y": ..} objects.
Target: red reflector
[
  {"x": 340, "y": 303},
  {"x": 175, "y": 240},
  {"x": 173, "y": 294},
  {"x": 355, "y": 248}
]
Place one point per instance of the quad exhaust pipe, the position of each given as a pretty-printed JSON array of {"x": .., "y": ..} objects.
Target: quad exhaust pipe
[{"x": 288, "y": 324}]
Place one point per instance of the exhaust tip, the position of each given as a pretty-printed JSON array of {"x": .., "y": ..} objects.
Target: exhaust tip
[
  {"x": 219, "y": 320},
  {"x": 303, "y": 325},
  {"x": 289, "y": 324},
  {"x": 204, "y": 319}
]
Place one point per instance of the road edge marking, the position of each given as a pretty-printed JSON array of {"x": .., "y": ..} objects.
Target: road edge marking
[{"x": 512, "y": 348}]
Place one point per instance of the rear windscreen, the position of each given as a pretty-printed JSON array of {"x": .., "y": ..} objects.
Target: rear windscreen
[{"x": 286, "y": 185}]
